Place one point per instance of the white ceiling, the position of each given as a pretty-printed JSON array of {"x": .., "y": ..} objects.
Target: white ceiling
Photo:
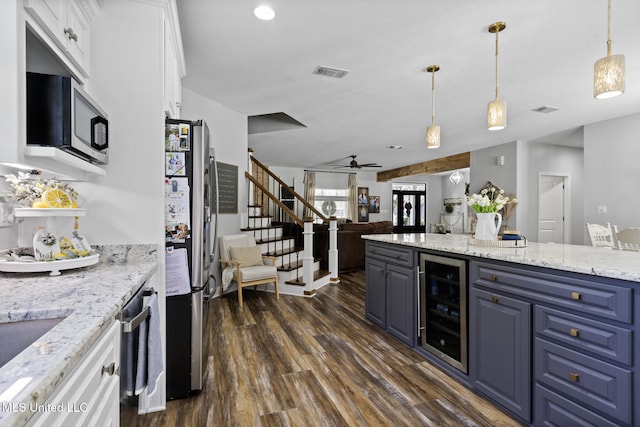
[{"x": 546, "y": 57}]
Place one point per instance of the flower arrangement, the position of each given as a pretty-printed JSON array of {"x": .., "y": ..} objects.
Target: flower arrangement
[
  {"x": 490, "y": 200},
  {"x": 27, "y": 189}
]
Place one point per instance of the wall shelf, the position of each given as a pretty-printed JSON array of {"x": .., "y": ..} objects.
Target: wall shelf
[
  {"x": 52, "y": 158},
  {"x": 47, "y": 212}
]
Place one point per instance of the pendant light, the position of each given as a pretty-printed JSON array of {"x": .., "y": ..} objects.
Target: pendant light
[
  {"x": 497, "y": 110},
  {"x": 433, "y": 131},
  {"x": 456, "y": 178},
  {"x": 608, "y": 72}
]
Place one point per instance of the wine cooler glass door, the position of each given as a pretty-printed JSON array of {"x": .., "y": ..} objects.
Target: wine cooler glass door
[{"x": 443, "y": 306}]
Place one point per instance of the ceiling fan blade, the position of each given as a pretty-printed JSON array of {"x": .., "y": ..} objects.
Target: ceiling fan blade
[{"x": 370, "y": 165}]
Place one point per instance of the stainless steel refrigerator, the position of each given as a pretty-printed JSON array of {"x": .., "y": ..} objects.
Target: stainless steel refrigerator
[{"x": 190, "y": 234}]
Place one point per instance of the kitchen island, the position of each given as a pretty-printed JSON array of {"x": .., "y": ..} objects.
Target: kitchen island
[
  {"x": 624, "y": 265},
  {"x": 88, "y": 300},
  {"x": 548, "y": 329}
]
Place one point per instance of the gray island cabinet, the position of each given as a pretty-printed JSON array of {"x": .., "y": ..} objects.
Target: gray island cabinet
[
  {"x": 551, "y": 327},
  {"x": 389, "y": 301}
]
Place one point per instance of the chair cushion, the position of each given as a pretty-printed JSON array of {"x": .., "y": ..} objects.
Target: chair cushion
[
  {"x": 257, "y": 273},
  {"x": 246, "y": 255}
]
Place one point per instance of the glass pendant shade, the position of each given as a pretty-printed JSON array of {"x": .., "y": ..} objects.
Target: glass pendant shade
[
  {"x": 433, "y": 136},
  {"x": 497, "y": 115},
  {"x": 497, "y": 109},
  {"x": 608, "y": 77},
  {"x": 456, "y": 178},
  {"x": 433, "y": 131}
]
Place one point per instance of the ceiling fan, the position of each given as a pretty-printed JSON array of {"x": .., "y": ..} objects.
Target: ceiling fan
[{"x": 353, "y": 164}]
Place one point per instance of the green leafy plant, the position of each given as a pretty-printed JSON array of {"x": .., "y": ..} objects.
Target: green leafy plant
[{"x": 490, "y": 200}]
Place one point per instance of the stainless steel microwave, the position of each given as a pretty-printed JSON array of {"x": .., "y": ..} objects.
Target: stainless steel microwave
[{"x": 61, "y": 114}]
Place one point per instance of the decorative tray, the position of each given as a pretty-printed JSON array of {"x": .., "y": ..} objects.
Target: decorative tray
[
  {"x": 53, "y": 266},
  {"x": 521, "y": 243}
]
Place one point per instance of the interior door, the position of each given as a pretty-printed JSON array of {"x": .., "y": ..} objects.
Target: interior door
[{"x": 551, "y": 202}]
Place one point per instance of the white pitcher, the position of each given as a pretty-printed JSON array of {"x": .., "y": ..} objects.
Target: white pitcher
[{"x": 487, "y": 226}]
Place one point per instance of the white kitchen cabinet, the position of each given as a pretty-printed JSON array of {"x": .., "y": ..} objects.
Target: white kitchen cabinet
[
  {"x": 65, "y": 25},
  {"x": 90, "y": 394},
  {"x": 173, "y": 71}
]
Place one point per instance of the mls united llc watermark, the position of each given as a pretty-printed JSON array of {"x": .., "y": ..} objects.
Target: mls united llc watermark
[{"x": 43, "y": 407}]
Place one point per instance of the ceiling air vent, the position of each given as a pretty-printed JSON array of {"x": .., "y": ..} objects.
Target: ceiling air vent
[
  {"x": 336, "y": 73},
  {"x": 545, "y": 109}
]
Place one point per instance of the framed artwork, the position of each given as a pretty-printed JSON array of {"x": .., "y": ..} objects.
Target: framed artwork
[
  {"x": 363, "y": 213},
  {"x": 374, "y": 204},
  {"x": 363, "y": 195}
]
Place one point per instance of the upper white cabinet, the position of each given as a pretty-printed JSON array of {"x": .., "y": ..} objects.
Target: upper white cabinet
[
  {"x": 64, "y": 26},
  {"x": 173, "y": 63}
]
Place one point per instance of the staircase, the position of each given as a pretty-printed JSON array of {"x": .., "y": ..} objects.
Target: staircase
[{"x": 281, "y": 232}]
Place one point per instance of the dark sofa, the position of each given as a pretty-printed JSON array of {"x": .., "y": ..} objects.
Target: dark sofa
[{"x": 350, "y": 243}]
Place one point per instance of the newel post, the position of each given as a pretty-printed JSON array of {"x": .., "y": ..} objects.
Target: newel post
[
  {"x": 307, "y": 256},
  {"x": 333, "y": 249}
]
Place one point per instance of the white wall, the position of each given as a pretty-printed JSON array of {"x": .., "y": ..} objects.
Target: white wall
[
  {"x": 485, "y": 167},
  {"x": 611, "y": 171},
  {"x": 558, "y": 160},
  {"x": 8, "y": 233},
  {"x": 127, "y": 205},
  {"x": 12, "y": 43},
  {"x": 456, "y": 220},
  {"x": 382, "y": 189},
  {"x": 11, "y": 99},
  {"x": 229, "y": 138}
]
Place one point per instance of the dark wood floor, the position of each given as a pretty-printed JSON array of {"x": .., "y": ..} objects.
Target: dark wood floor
[{"x": 317, "y": 362}]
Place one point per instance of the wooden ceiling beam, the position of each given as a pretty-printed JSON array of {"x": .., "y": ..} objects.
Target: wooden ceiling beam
[{"x": 443, "y": 164}]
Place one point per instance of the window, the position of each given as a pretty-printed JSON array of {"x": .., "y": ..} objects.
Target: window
[{"x": 331, "y": 201}]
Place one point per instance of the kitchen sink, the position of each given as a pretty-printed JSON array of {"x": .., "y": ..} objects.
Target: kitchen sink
[{"x": 17, "y": 336}]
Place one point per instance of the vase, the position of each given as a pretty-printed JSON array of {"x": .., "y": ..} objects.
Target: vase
[{"x": 488, "y": 226}]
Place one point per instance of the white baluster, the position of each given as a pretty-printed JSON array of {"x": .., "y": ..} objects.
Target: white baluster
[
  {"x": 307, "y": 257},
  {"x": 333, "y": 249}
]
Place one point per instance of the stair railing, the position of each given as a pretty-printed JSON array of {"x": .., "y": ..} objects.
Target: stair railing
[
  {"x": 315, "y": 213},
  {"x": 270, "y": 192}
]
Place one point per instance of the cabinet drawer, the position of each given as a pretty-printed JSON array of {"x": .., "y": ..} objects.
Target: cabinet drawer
[
  {"x": 584, "y": 379},
  {"x": 599, "y": 299},
  {"x": 391, "y": 253},
  {"x": 554, "y": 410},
  {"x": 603, "y": 340}
]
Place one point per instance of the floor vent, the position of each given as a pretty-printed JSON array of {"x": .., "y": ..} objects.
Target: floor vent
[{"x": 336, "y": 73}]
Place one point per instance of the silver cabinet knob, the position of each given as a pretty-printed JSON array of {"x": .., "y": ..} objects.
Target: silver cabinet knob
[{"x": 70, "y": 34}]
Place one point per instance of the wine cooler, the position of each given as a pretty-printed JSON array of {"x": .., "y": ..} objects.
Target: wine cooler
[{"x": 442, "y": 328}]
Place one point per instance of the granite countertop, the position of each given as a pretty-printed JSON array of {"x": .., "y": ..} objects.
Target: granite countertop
[
  {"x": 89, "y": 297},
  {"x": 604, "y": 262}
]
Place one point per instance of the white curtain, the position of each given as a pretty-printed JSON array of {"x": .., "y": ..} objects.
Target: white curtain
[
  {"x": 309, "y": 191},
  {"x": 352, "y": 194}
]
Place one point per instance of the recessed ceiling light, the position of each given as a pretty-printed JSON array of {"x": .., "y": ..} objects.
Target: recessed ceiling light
[{"x": 264, "y": 12}]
